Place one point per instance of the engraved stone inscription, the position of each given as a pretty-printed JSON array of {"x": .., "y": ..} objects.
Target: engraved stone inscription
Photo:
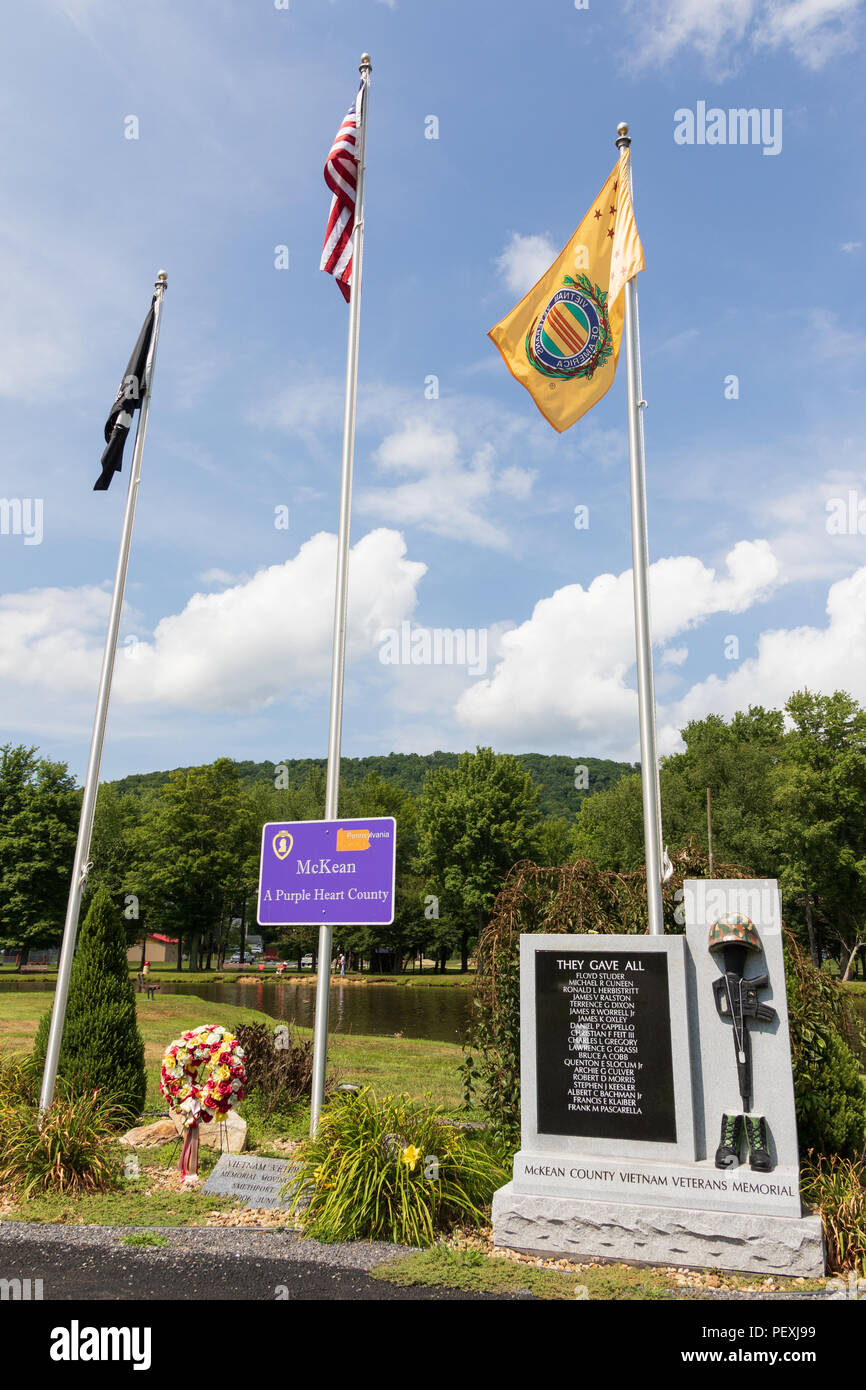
[{"x": 603, "y": 1045}]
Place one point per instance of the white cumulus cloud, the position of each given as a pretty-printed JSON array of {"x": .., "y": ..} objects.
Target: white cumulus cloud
[
  {"x": 49, "y": 638},
  {"x": 725, "y": 32},
  {"x": 443, "y": 493},
  {"x": 814, "y": 30},
  {"x": 820, "y": 659},
  {"x": 524, "y": 261},
  {"x": 562, "y": 676},
  {"x": 238, "y": 650}
]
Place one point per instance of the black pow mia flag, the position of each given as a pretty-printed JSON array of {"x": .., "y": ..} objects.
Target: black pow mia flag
[{"x": 127, "y": 400}]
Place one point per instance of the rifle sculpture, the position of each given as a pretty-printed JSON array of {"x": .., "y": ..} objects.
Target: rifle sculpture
[{"x": 734, "y": 936}]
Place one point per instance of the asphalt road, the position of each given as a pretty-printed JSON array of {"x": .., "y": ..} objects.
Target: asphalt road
[{"x": 76, "y": 1270}]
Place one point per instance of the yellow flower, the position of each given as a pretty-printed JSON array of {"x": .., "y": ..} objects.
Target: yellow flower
[{"x": 410, "y": 1157}]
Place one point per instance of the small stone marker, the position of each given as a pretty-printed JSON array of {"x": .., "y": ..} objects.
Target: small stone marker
[{"x": 254, "y": 1181}]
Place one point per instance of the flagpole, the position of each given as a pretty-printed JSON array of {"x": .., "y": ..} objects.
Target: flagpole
[
  {"x": 650, "y": 790},
  {"x": 80, "y": 865},
  {"x": 338, "y": 659}
]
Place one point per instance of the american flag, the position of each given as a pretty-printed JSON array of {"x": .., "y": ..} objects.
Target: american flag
[{"x": 341, "y": 176}]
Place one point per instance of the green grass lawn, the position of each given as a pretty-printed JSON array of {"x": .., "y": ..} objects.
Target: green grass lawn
[
  {"x": 474, "y": 1271},
  {"x": 414, "y": 1065},
  {"x": 169, "y": 974}
]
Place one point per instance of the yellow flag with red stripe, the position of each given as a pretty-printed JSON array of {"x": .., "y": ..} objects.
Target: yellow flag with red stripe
[{"x": 562, "y": 340}]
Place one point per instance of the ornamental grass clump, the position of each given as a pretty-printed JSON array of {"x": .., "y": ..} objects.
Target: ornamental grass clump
[
  {"x": 19, "y": 1081},
  {"x": 71, "y": 1148},
  {"x": 392, "y": 1169},
  {"x": 837, "y": 1187}
]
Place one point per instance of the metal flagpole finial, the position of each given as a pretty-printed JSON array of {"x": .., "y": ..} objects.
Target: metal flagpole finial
[
  {"x": 623, "y": 137},
  {"x": 366, "y": 63},
  {"x": 161, "y": 279}
]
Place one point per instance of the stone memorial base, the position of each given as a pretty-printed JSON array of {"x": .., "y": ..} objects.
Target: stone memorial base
[
  {"x": 555, "y": 1227},
  {"x": 691, "y": 1185}
]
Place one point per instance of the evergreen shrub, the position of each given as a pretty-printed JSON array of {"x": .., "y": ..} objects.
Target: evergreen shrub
[{"x": 102, "y": 1048}]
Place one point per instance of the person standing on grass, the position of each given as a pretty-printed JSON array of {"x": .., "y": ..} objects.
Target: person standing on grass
[{"x": 342, "y": 963}]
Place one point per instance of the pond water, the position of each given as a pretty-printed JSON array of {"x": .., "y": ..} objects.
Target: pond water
[{"x": 429, "y": 1011}]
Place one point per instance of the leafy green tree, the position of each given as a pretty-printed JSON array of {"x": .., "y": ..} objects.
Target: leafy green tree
[
  {"x": 111, "y": 843},
  {"x": 555, "y": 841},
  {"x": 190, "y": 852},
  {"x": 820, "y": 802},
  {"x": 377, "y": 797},
  {"x": 39, "y": 809},
  {"x": 737, "y": 762},
  {"x": 474, "y": 823},
  {"x": 609, "y": 828},
  {"x": 564, "y": 782},
  {"x": 101, "y": 1048}
]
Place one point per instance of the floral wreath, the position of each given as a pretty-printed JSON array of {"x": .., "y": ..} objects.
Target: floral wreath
[{"x": 202, "y": 1076}]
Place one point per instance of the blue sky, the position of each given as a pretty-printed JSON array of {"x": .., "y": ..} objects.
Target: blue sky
[{"x": 464, "y": 503}]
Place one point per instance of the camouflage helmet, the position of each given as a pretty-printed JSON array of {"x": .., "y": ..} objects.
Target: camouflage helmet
[{"x": 734, "y": 930}]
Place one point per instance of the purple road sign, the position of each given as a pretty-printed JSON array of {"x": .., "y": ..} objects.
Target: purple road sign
[{"x": 328, "y": 871}]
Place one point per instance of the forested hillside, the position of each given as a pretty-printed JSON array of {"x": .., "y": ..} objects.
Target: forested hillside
[{"x": 564, "y": 782}]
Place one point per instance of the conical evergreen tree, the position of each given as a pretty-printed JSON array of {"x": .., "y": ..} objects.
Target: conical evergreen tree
[{"x": 102, "y": 1047}]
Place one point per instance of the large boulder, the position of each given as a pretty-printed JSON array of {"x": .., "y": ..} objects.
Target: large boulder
[
  {"x": 230, "y": 1135},
  {"x": 147, "y": 1136}
]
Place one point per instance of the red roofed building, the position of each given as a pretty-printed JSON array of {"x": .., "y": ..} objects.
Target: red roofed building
[{"x": 159, "y": 949}]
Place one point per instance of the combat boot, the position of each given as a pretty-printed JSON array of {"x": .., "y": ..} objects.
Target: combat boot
[
  {"x": 728, "y": 1152},
  {"x": 759, "y": 1147}
]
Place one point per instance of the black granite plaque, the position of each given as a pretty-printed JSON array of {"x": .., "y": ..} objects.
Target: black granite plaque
[{"x": 603, "y": 1045}]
